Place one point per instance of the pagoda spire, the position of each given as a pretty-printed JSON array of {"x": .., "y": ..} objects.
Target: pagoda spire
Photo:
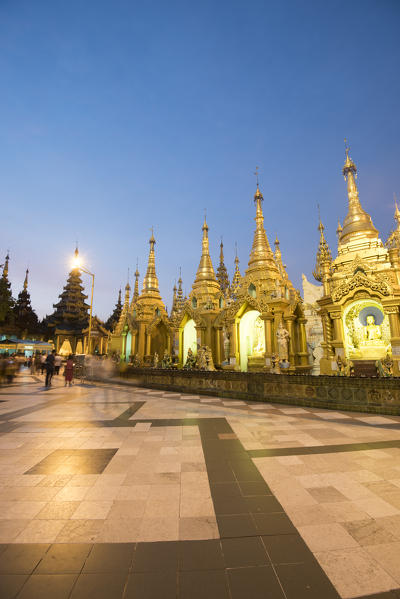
[
  {"x": 324, "y": 256},
  {"x": 115, "y": 316},
  {"x": 358, "y": 223},
  {"x": 5, "y": 267},
  {"x": 261, "y": 256},
  {"x": 150, "y": 281},
  {"x": 278, "y": 258},
  {"x": 136, "y": 287},
  {"x": 127, "y": 294},
  {"x": 124, "y": 312},
  {"x": 7, "y": 303},
  {"x": 174, "y": 308},
  {"x": 394, "y": 237},
  {"x": 205, "y": 271},
  {"x": 222, "y": 273},
  {"x": 179, "y": 296},
  {"x": 237, "y": 277},
  {"x": 339, "y": 229},
  {"x": 25, "y": 317}
]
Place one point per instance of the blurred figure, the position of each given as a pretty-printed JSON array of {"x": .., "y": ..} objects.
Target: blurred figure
[
  {"x": 10, "y": 370},
  {"x": 49, "y": 364},
  {"x": 37, "y": 362},
  {"x": 69, "y": 371},
  {"x": 57, "y": 363},
  {"x": 3, "y": 362},
  {"x": 42, "y": 363}
]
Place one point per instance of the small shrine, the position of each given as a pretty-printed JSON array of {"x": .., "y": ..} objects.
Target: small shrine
[{"x": 359, "y": 307}]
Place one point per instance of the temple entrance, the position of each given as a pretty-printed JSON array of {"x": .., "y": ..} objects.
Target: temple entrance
[
  {"x": 366, "y": 331},
  {"x": 159, "y": 340},
  {"x": 251, "y": 338},
  {"x": 189, "y": 339}
]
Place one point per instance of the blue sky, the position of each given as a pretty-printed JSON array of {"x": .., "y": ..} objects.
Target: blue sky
[{"x": 116, "y": 116}]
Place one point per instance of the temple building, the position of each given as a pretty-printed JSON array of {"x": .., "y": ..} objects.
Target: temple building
[
  {"x": 68, "y": 326},
  {"x": 359, "y": 307},
  {"x": 264, "y": 321},
  {"x": 248, "y": 324},
  {"x": 143, "y": 329}
]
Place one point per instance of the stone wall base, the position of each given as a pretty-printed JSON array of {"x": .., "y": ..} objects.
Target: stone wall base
[{"x": 378, "y": 396}]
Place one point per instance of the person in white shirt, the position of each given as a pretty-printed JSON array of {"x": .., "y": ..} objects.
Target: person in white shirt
[{"x": 57, "y": 364}]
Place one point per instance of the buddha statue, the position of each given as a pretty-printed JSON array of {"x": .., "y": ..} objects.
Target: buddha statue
[{"x": 372, "y": 331}]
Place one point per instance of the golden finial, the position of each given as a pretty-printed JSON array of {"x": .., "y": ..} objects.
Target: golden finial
[
  {"x": 26, "y": 279},
  {"x": 127, "y": 286},
  {"x": 256, "y": 175},
  {"x": 339, "y": 229},
  {"x": 205, "y": 226},
  {"x": 349, "y": 165},
  {"x": 320, "y": 225}
]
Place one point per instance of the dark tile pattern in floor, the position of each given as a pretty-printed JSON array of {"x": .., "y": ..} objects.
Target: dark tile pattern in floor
[
  {"x": 259, "y": 554},
  {"x": 74, "y": 461}
]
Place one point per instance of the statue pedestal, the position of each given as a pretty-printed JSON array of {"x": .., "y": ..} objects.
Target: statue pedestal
[
  {"x": 369, "y": 351},
  {"x": 255, "y": 363}
]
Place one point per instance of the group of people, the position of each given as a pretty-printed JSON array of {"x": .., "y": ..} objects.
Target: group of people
[{"x": 51, "y": 364}]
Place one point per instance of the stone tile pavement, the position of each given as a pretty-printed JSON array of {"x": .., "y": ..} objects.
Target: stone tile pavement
[{"x": 116, "y": 491}]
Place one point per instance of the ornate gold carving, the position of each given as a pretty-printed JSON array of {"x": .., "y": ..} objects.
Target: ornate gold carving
[{"x": 374, "y": 283}]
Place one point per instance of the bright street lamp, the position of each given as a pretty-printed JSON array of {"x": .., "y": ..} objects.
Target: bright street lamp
[{"x": 77, "y": 264}]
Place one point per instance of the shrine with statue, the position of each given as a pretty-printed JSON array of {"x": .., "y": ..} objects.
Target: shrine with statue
[{"x": 359, "y": 305}]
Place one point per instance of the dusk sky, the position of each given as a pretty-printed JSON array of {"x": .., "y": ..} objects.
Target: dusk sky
[{"x": 119, "y": 115}]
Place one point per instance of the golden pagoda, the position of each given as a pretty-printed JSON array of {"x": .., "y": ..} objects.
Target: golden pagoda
[
  {"x": 194, "y": 322},
  {"x": 359, "y": 307},
  {"x": 264, "y": 322},
  {"x": 143, "y": 328}
]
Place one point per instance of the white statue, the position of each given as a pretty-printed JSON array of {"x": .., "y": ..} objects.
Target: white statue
[
  {"x": 155, "y": 360},
  {"x": 259, "y": 341},
  {"x": 282, "y": 337}
]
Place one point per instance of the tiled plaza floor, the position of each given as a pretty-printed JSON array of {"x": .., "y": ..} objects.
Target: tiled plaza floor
[{"x": 111, "y": 491}]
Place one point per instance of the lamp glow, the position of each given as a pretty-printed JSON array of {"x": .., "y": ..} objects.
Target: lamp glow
[{"x": 76, "y": 260}]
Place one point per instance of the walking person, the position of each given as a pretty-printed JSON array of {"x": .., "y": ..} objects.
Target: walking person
[
  {"x": 49, "y": 363},
  {"x": 42, "y": 363},
  {"x": 69, "y": 371},
  {"x": 57, "y": 364}
]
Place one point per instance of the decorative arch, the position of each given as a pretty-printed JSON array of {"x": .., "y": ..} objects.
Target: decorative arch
[{"x": 157, "y": 320}]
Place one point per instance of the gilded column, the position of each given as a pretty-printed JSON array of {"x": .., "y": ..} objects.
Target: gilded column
[
  {"x": 142, "y": 339},
  {"x": 218, "y": 345},
  {"x": 148, "y": 344},
  {"x": 328, "y": 328},
  {"x": 337, "y": 341},
  {"x": 267, "y": 318},
  {"x": 289, "y": 320},
  {"x": 234, "y": 346},
  {"x": 303, "y": 353},
  {"x": 393, "y": 314}
]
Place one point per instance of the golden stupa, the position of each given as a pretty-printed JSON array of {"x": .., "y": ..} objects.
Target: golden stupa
[{"x": 359, "y": 307}]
